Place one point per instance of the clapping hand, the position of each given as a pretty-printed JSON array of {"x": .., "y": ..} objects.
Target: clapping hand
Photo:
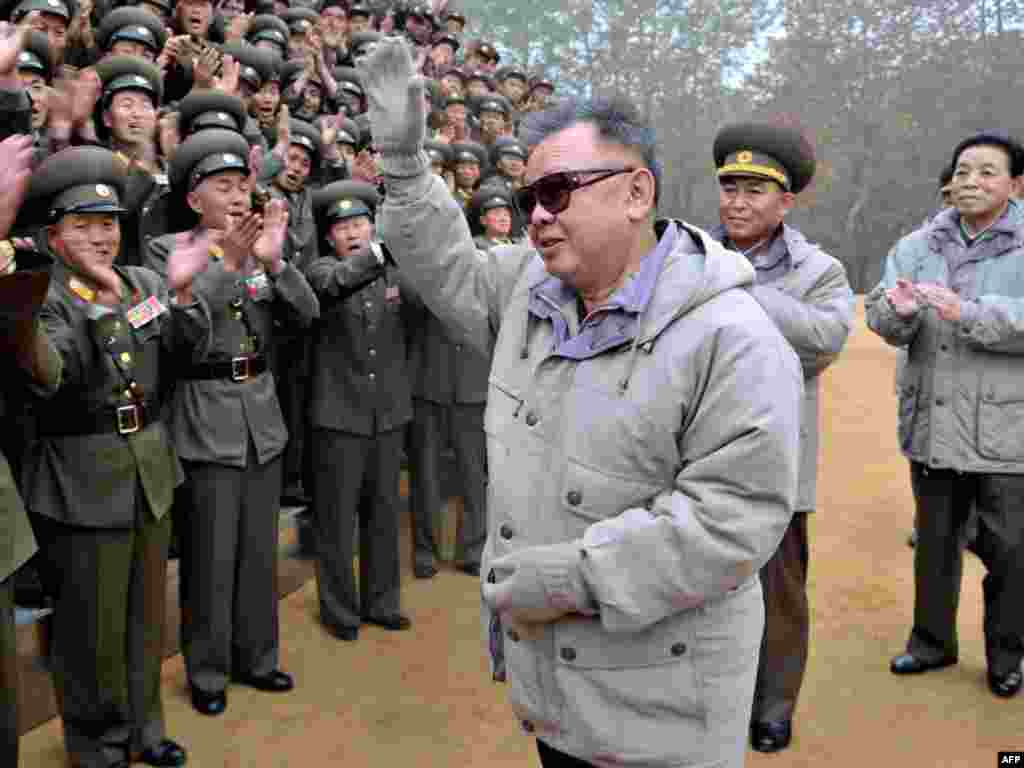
[
  {"x": 189, "y": 257},
  {"x": 903, "y": 298},
  {"x": 269, "y": 246},
  {"x": 15, "y": 169},
  {"x": 944, "y": 301}
]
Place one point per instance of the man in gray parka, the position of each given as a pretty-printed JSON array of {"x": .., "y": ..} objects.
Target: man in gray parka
[
  {"x": 642, "y": 433},
  {"x": 761, "y": 168}
]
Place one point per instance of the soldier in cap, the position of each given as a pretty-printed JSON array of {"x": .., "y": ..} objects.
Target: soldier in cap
[
  {"x": 347, "y": 137},
  {"x": 479, "y": 84},
  {"x": 302, "y": 91},
  {"x": 480, "y": 55},
  {"x": 334, "y": 30},
  {"x": 52, "y": 18},
  {"x": 125, "y": 114},
  {"x": 259, "y": 87},
  {"x": 469, "y": 160},
  {"x": 440, "y": 154},
  {"x": 512, "y": 84},
  {"x": 494, "y": 115},
  {"x": 457, "y": 112},
  {"x": 300, "y": 21},
  {"x": 359, "y": 408},
  {"x": 103, "y": 526},
  {"x": 269, "y": 32},
  {"x": 508, "y": 158},
  {"x": 454, "y": 21},
  {"x": 360, "y": 15},
  {"x": 193, "y": 18},
  {"x": 441, "y": 58},
  {"x": 227, "y": 421},
  {"x": 360, "y": 44},
  {"x": 131, "y": 32},
  {"x": 453, "y": 82},
  {"x": 541, "y": 91},
  {"x": 203, "y": 109},
  {"x": 762, "y": 166},
  {"x": 35, "y": 72},
  {"x": 350, "y": 91},
  {"x": 492, "y": 207}
]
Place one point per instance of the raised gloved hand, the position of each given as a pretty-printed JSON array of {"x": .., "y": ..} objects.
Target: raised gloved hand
[{"x": 396, "y": 106}]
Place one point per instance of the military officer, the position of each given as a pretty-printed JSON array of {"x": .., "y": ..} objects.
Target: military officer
[
  {"x": 259, "y": 87},
  {"x": 360, "y": 14},
  {"x": 454, "y": 21},
  {"x": 227, "y": 423},
  {"x": 541, "y": 90},
  {"x": 100, "y": 481},
  {"x": 493, "y": 207},
  {"x": 52, "y": 18},
  {"x": 300, "y": 22},
  {"x": 35, "y": 72},
  {"x": 131, "y": 32},
  {"x": 359, "y": 408},
  {"x": 470, "y": 159},
  {"x": 440, "y": 154},
  {"x": 494, "y": 115},
  {"x": 457, "y": 114},
  {"x": 452, "y": 82},
  {"x": 441, "y": 58},
  {"x": 513, "y": 84},
  {"x": 350, "y": 91},
  {"x": 479, "y": 54},
  {"x": 761, "y": 167},
  {"x": 204, "y": 108},
  {"x": 508, "y": 161}
]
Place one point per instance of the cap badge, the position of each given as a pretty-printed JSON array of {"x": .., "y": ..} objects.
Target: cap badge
[
  {"x": 143, "y": 31},
  {"x": 223, "y": 116},
  {"x": 53, "y": 3},
  {"x": 746, "y": 156},
  {"x": 232, "y": 160},
  {"x": 345, "y": 205},
  {"x": 102, "y": 190},
  {"x": 23, "y": 56}
]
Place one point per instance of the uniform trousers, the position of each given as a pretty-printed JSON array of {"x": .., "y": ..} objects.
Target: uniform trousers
[
  {"x": 229, "y": 611},
  {"x": 553, "y": 758},
  {"x": 944, "y": 502},
  {"x": 291, "y": 373},
  {"x": 107, "y": 636},
  {"x": 433, "y": 426},
  {"x": 783, "y": 659},
  {"x": 356, "y": 478},
  {"x": 8, "y": 676}
]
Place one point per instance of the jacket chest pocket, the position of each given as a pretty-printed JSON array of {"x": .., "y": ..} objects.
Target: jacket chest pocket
[{"x": 1000, "y": 430}]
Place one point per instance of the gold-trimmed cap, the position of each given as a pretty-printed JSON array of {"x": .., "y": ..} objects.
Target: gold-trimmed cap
[{"x": 765, "y": 150}]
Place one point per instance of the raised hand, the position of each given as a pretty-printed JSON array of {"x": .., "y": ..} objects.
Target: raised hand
[
  {"x": 284, "y": 132},
  {"x": 15, "y": 169},
  {"x": 903, "y": 298},
  {"x": 204, "y": 67},
  {"x": 394, "y": 94},
  {"x": 255, "y": 161},
  {"x": 168, "y": 133},
  {"x": 189, "y": 257},
  {"x": 364, "y": 168},
  {"x": 269, "y": 247},
  {"x": 237, "y": 240},
  {"x": 11, "y": 43},
  {"x": 228, "y": 80}
]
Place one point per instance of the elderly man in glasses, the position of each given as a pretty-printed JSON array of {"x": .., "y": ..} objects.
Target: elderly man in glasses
[{"x": 642, "y": 434}]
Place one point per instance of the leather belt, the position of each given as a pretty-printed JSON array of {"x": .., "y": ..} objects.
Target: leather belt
[
  {"x": 122, "y": 419},
  {"x": 236, "y": 369}
]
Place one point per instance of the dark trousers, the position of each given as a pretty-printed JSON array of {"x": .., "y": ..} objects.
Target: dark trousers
[
  {"x": 780, "y": 668},
  {"x": 8, "y": 677},
  {"x": 552, "y": 758},
  {"x": 944, "y": 502},
  {"x": 291, "y": 375},
  {"x": 229, "y": 612},
  {"x": 433, "y": 426},
  {"x": 356, "y": 478},
  {"x": 107, "y": 643}
]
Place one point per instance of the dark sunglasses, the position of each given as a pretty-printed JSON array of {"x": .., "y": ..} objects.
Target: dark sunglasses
[{"x": 554, "y": 191}]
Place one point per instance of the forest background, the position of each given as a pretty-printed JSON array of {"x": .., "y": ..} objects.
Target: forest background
[{"x": 885, "y": 89}]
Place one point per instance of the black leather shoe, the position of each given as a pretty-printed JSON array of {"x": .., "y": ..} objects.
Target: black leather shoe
[
  {"x": 209, "y": 703},
  {"x": 470, "y": 569},
  {"x": 909, "y": 664},
  {"x": 167, "y": 754},
  {"x": 424, "y": 571},
  {"x": 273, "y": 682},
  {"x": 771, "y": 736},
  {"x": 1006, "y": 685},
  {"x": 396, "y": 622}
]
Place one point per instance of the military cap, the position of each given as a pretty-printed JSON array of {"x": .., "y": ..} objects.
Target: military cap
[
  {"x": 438, "y": 152},
  {"x": 479, "y": 74},
  {"x": 66, "y": 9},
  {"x": 271, "y": 28},
  {"x": 767, "y": 151},
  {"x": 469, "y": 152},
  {"x": 291, "y": 70},
  {"x": 508, "y": 145},
  {"x": 483, "y": 48},
  {"x": 454, "y": 13},
  {"x": 539, "y": 81},
  {"x": 360, "y": 43},
  {"x": 349, "y": 133},
  {"x": 127, "y": 73},
  {"x": 76, "y": 180},
  {"x": 35, "y": 56},
  {"x": 453, "y": 72},
  {"x": 454, "y": 98},
  {"x": 349, "y": 79},
  {"x": 204, "y": 154},
  {"x": 202, "y": 109},
  {"x": 360, "y": 8},
  {"x": 446, "y": 37},
  {"x": 306, "y": 135},
  {"x": 300, "y": 20},
  {"x": 494, "y": 102},
  {"x": 134, "y": 24},
  {"x": 313, "y": 5},
  {"x": 256, "y": 66},
  {"x": 510, "y": 70},
  {"x": 344, "y": 200},
  {"x": 489, "y": 197}
]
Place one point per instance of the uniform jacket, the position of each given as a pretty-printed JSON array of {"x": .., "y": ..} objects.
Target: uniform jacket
[
  {"x": 960, "y": 397},
  {"x": 668, "y": 465},
  {"x": 214, "y": 419},
  {"x": 360, "y": 374},
  {"x": 91, "y": 479},
  {"x": 17, "y": 544},
  {"x": 806, "y": 293}
]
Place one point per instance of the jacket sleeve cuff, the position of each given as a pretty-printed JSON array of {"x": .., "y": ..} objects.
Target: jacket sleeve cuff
[
  {"x": 564, "y": 584},
  {"x": 401, "y": 165}
]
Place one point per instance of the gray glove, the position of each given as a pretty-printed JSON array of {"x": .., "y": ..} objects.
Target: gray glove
[{"x": 396, "y": 107}]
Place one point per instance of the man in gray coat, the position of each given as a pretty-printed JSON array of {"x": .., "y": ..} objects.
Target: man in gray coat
[
  {"x": 761, "y": 169},
  {"x": 642, "y": 433}
]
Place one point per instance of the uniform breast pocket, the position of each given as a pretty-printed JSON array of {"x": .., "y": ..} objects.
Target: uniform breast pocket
[
  {"x": 148, "y": 333},
  {"x": 593, "y": 495}
]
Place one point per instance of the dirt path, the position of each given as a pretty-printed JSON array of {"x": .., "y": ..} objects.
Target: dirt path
[{"x": 423, "y": 699}]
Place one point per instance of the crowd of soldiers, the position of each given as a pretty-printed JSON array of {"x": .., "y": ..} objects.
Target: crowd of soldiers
[{"x": 222, "y": 334}]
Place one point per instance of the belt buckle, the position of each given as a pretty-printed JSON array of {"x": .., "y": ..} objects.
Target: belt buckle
[
  {"x": 128, "y": 421},
  {"x": 240, "y": 368}
]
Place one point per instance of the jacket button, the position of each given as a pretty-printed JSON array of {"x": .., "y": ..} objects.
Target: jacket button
[
  {"x": 531, "y": 419},
  {"x": 513, "y": 636},
  {"x": 506, "y": 531},
  {"x": 527, "y": 726},
  {"x": 568, "y": 654},
  {"x": 944, "y": 347},
  {"x": 373, "y": 376},
  {"x": 575, "y": 498},
  {"x": 940, "y": 401},
  {"x": 373, "y": 352},
  {"x": 678, "y": 649}
]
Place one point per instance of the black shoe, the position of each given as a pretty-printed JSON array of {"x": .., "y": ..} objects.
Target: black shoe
[
  {"x": 396, "y": 622},
  {"x": 771, "y": 736},
  {"x": 209, "y": 703},
  {"x": 909, "y": 664},
  {"x": 424, "y": 571},
  {"x": 348, "y": 634},
  {"x": 272, "y": 682},
  {"x": 470, "y": 569},
  {"x": 167, "y": 754},
  {"x": 1005, "y": 686}
]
